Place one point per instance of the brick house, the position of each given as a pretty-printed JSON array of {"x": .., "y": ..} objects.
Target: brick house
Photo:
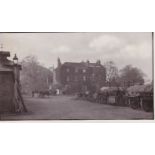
[{"x": 75, "y": 77}]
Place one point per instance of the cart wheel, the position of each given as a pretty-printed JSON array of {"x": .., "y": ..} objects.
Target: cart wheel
[
  {"x": 147, "y": 107},
  {"x": 134, "y": 105}
]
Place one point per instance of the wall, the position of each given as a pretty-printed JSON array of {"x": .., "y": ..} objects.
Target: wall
[
  {"x": 6, "y": 92},
  {"x": 95, "y": 78}
]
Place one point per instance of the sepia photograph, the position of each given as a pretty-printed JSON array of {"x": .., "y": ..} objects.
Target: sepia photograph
[{"x": 76, "y": 76}]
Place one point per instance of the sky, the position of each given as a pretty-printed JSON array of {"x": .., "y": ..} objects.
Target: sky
[{"x": 123, "y": 48}]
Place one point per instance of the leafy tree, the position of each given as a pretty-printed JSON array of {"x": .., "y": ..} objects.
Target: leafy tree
[
  {"x": 131, "y": 75},
  {"x": 34, "y": 76}
]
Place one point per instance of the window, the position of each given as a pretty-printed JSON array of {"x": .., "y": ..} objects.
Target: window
[
  {"x": 84, "y": 70},
  {"x": 67, "y": 70},
  {"x": 84, "y": 78},
  {"x": 76, "y": 78},
  {"x": 67, "y": 79},
  {"x": 93, "y": 76},
  {"x": 76, "y": 70}
]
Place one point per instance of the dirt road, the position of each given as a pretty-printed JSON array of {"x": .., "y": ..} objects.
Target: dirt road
[{"x": 68, "y": 107}]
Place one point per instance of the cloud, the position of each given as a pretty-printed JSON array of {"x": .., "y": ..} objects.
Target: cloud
[
  {"x": 61, "y": 49},
  {"x": 114, "y": 46},
  {"x": 106, "y": 42},
  {"x": 122, "y": 48},
  {"x": 132, "y": 51}
]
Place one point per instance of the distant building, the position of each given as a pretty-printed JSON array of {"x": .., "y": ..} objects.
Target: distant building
[{"x": 82, "y": 76}]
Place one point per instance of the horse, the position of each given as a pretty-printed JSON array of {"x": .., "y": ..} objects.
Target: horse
[{"x": 44, "y": 93}]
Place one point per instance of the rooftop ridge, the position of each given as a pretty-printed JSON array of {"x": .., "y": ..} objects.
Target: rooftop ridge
[
  {"x": 80, "y": 62},
  {"x": 4, "y": 54}
]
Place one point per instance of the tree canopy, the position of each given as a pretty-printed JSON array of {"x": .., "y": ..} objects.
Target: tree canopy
[
  {"x": 34, "y": 76},
  {"x": 125, "y": 77},
  {"x": 130, "y": 75}
]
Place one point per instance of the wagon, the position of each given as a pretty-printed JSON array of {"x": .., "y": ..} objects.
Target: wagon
[
  {"x": 147, "y": 98},
  {"x": 112, "y": 95},
  {"x": 141, "y": 96}
]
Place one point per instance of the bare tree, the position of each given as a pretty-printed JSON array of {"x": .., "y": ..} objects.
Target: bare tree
[
  {"x": 111, "y": 73},
  {"x": 34, "y": 76}
]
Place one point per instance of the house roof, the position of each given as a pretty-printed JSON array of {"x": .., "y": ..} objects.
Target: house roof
[
  {"x": 140, "y": 88},
  {"x": 81, "y": 64},
  {"x": 5, "y": 69},
  {"x": 5, "y": 53},
  {"x": 5, "y": 64},
  {"x": 111, "y": 89}
]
